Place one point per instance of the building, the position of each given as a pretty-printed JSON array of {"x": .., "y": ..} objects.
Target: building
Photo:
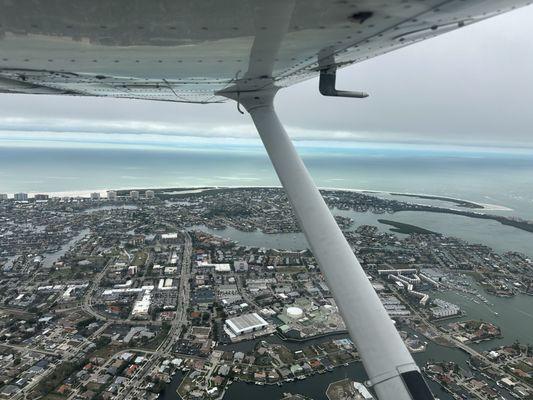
[
  {"x": 169, "y": 237},
  {"x": 149, "y": 194},
  {"x": 222, "y": 268},
  {"x": 3, "y": 196},
  {"x": 41, "y": 197},
  {"x": 8, "y": 391},
  {"x": 203, "y": 297},
  {"x": 141, "y": 307},
  {"x": 111, "y": 195},
  {"x": 21, "y": 196},
  {"x": 240, "y": 266},
  {"x": 294, "y": 312},
  {"x": 244, "y": 324},
  {"x": 165, "y": 284},
  {"x": 362, "y": 391},
  {"x": 444, "y": 309},
  {"x": 137, "y": 240},
  {"x": 134, "y": 195},
  {"x": 95, "y": 196}
]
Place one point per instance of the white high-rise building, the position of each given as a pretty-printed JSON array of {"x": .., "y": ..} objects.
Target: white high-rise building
[
  {"x": 111, "y": 195},
  {"x": 3, "y": 196},
  {"x": 149, "y": 194},
  {"x": 134, "y": 194},
  {"x": 21, "y": 196},
  {"x": 95, "y": 196}
]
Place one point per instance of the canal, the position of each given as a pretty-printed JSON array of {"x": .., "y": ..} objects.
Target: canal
[{"x": 514, "y": 315}]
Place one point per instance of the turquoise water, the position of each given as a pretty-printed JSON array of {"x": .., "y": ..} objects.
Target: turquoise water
[
  {"x": 490, "y": 233},
  {"x": 504, "y": 179},
  {"x": 513, "y": 315}
]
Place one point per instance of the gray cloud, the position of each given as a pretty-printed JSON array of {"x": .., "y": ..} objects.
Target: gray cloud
[{"x": 473, "y": 86}]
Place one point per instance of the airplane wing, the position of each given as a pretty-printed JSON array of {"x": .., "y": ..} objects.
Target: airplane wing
[
  {"x": 187, "y": 51},
  {"x": 206, "y": 51}
]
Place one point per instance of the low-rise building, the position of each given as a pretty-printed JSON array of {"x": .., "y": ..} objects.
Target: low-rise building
[{"x": 245, "y": 323}]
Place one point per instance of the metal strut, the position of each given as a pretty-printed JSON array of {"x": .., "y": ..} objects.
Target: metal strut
[{"x": 391, "y": 370}]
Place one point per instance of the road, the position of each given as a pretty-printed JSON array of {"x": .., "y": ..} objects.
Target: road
[
  {"x": 177, "y": 325},
  {"x": 87, "y": 298},
  {"x": 28, "y": 349}
]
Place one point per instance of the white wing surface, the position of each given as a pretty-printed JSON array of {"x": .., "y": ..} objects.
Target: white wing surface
[{"x": 187, "y": 50}]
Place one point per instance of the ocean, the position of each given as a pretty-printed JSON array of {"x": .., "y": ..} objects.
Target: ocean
[{"x": 495, "y": 178}]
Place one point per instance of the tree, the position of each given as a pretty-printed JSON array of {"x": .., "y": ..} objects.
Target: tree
[{"x": 102, "y": 341}]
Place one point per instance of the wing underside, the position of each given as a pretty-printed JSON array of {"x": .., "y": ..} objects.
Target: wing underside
[{"x": 187, "y": 51}]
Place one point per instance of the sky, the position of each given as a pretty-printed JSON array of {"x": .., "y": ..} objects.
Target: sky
[{"x": 471, "y": 88}]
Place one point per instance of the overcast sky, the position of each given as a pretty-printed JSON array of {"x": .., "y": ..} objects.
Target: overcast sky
[{"x": 473, "y": 86}]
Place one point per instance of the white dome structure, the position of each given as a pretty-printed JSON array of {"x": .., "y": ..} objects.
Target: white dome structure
[{"x": 295, "y": 312}]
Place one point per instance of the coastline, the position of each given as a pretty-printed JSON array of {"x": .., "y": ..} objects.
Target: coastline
[{"x": 201, "y": 188}]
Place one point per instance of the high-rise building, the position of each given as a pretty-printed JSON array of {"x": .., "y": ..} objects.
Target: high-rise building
[
  {"x": 95, "y": 196},
  {"x": 41, "y": 197},
  {"x": 21, "y": 196},
  {"x": 111, "y": 195},
  {"x": 149, "y": 194},
  {"x": 240, "y": 266},
  {"x": 3, "y": 196},
  {"x": 134, "y": 194}
]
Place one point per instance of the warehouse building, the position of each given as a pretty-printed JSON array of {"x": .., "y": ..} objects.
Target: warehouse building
[{"x": 244, "y": 324}]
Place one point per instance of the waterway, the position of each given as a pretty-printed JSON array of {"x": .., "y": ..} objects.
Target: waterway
[
  {"x": 315, "y": 386},
  {"x": 501, "y": 238},
  {"x": 514, "y": 315},
  {"x": 50, "y": 258}
]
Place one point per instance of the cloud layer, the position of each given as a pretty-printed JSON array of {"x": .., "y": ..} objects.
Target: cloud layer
[{"x": 471, "y": 87}]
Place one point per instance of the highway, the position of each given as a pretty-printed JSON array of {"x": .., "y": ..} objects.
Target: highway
[{"x": 177, "y": 325}]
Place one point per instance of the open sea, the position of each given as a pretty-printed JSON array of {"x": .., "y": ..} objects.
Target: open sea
[{"x": 503, "y": 179}]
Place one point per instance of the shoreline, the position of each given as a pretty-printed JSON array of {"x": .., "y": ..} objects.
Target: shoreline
[{"x": 201, "y": 188}]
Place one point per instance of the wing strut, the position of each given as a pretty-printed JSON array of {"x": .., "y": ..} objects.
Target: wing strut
[
  {"x": 387, "y": 361},
  {"x": 389, "y": 365}
]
